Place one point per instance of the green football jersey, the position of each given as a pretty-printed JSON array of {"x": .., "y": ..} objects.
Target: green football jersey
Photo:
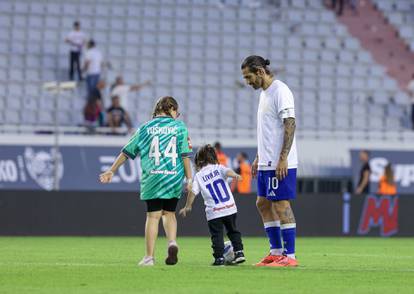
[{"x": 161, "y": 144}]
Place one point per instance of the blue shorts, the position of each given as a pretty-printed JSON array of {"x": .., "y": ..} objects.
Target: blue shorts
[{"x": 270, "y": 187}]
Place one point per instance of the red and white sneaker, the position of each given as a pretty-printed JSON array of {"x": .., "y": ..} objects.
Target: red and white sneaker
[
  {"x": 269, "y": 259},
  {"x": 284, "y": 262}
]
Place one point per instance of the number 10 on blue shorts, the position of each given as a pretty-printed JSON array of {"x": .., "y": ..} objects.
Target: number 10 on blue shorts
[{"x": 270, "y": 187}]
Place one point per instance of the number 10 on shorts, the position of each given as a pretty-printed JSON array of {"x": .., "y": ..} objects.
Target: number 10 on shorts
[{"x": 273, "y": 183}]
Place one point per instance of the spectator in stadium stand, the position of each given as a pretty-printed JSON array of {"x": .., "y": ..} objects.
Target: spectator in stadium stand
[
  {"x": 92, "y": 66},
  {"x": 221, "y": 157},
  {"x": 338, "y": 6},
  {"x": 120, "y": 89},
  {"x": 364, "y": 175},
  {"x": 410, "y": 89},
  {"x": 76, "y": 39},
  {"x": 117, "y": 115},
  {"x": 354, "y": 6},
  {"x": 386, "y": 185},
  {"x": 93, "y": 112},
  {"x": 243, "y": 186},
  {"x": 97, "y": 91}
]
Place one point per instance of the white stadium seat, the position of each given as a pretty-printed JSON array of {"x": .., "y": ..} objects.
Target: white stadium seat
[{"x": 194, "y": 51}]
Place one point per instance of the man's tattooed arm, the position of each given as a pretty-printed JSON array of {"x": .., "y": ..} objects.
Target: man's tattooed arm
[{"x": 290, "y": 126}]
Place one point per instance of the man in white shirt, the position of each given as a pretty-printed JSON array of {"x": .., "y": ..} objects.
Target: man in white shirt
[
  {"x": 76, "y": 39},
  {"x": 276, "y": 161},
  {"x": 122, "y": 90},
  {"x": 92, "y": 66},
  {"x": 410, "y": 89}
]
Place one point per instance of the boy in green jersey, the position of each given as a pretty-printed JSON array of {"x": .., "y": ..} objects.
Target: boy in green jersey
[{"x": 164, "y": 149}]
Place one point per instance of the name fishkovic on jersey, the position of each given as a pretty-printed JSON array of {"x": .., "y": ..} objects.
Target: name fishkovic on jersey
[
  {"x": 211, "y": 182},
  {"x": 162, "y": 143},
  {"x": 276, "y": 103}
]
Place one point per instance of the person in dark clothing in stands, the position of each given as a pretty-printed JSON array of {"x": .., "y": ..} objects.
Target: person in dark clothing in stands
[
  {"x": 338, "y": 6},
  {"x": 117, "y": 116},
  {"x": 97, "y": 91},
  {"x": 93, "y": 113},
  {"x": 365, "y": 173},
  {"x": 76, "y": 39}
]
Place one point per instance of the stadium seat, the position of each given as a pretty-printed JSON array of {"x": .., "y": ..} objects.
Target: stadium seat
[
  {"x": 30, "y": 117},
  {"x": 194, "y": 51},
  {"x": 12, "y": 116}
]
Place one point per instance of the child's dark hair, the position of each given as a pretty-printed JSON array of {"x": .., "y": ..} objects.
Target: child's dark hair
[{"x": 204, "y": 156}]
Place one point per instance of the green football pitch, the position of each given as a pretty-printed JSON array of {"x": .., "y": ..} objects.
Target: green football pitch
[{"x": 108, "y": 265}]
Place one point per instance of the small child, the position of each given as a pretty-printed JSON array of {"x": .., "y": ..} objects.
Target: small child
[{"x": 221, "y": 209}]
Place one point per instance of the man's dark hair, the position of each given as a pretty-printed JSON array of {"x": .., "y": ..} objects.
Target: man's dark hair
[
  {"x": 244, "y": 155},
  {"x": 254, "y": 62},
  {"x": 165, "y": 105},
  {"x": 76, "y": 24},
  {"x": 217, "y": 145},
  {"x": 205, "y": 155}
]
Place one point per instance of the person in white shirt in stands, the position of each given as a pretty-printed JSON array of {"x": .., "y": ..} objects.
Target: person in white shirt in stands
[
  {"x": 410, "y": 89},
  {"x": 76, "y": 39},
  {"x": 92, "y": 66},
  {"x": 211, "y": 181},
  {"x": 120, "y": 89},
  {"x": 276, "y": 161}
]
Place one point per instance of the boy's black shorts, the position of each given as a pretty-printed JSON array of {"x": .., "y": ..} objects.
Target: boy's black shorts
[{"x": 162, "y": 204}]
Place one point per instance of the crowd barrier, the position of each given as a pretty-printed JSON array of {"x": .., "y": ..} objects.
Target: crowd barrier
[{"x": 122, "y": 213}]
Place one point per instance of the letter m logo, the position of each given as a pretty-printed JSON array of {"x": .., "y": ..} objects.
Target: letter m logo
[{"x": 379, "y": 212}]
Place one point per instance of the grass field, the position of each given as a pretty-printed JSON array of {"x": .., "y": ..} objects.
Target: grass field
[{"x": 108, "y": 265}]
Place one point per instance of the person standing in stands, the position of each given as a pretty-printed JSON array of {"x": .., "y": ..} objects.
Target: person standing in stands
[
  {"x": 97, "y": 92},
  {"x": 386, "y": 185},
  {"x": 338, "y": 6},
  {"x": 92, "y": 66},
  {"x": 221, "y": 156},
  {"x": 76, "y": 39},
  {"x": 365, "y": 173},
  {"x": 410, "y": 89}
]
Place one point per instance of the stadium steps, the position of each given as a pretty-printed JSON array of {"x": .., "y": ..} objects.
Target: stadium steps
[{"x": 380, "y": 38}]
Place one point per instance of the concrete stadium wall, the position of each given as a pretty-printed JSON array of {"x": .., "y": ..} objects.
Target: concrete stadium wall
[{"x": 122, "y": 213}]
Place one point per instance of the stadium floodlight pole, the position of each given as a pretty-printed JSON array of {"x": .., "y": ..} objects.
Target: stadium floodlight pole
[{"x": 56, "y": 88}]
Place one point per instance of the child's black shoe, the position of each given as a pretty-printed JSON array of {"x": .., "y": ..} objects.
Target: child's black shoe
[
  {"x": 239, "y": 257},
  {"x": 219, "y": 262}
]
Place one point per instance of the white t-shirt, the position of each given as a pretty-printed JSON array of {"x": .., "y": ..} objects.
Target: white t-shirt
[
  {"x": 276, "y": 103},
  {"x": 218, "y": 199},
  {"x": 77, "y": 39},
  {"x": 122, "y": 92},
  {"x": 94, "y": 56}
]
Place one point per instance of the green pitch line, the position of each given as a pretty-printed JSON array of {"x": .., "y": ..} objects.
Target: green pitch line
[{"x": 108, "y": 265}]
